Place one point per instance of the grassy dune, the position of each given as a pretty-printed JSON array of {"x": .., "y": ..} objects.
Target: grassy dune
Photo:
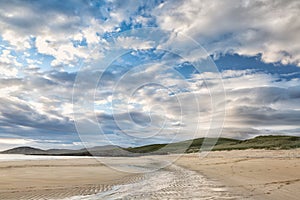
[
  {"x": 260, "y": 142},
  {"x": 188, "y": 146}
]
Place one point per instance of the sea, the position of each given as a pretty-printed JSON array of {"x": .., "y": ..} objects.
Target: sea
[{"x": 19, "y": 157}]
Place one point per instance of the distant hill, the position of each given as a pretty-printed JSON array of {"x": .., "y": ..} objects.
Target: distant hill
[
  {"x": 108, "y": 150},
  {"x": 188, "y": 146},
  {"x": 24, "y": 150},
  {"x": 260, "y": 142},
  {"x": 263, "y": 142}
]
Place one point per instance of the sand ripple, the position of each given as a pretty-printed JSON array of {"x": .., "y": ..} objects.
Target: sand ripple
[
  {"x": 171, "y": 183},
  {"x": 79, "y": 192}
]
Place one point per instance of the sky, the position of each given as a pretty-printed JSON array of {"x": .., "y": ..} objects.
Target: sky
[{"x": 87, "y": 72}]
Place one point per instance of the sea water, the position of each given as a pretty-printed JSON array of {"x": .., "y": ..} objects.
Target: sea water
[{"x": 20, "y": 157}]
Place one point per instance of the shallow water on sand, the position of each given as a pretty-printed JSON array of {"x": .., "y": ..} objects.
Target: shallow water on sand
[
  {"x": 172, "y": 182},
  {"x": 19, "y": 157}
]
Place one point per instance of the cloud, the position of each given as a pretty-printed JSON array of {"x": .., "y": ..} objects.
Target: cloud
[
  {"x": 256, "y": 103},
  {"x": 253, "y": 99},
  {"x": 245, "y": 27},
  {"x": 146, "y": 93},
  {"x": 265, "y": 27},
  {"x": 52, "y": 28},
  {"x": 134, "y": 43},
  {"x": 17, "y": 141},
  {"x": 266, "y": 117},
  {"x": 8, "y": 64}
]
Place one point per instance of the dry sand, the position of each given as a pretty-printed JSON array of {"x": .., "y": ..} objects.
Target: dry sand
[
  {"x": 254, "y": 174},
  {"x": 249, "y": 174}
]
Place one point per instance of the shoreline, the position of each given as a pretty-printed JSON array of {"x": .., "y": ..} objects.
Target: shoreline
[
  {"x": 57, "y": 179},
  {"x": 252, "y": 174}
]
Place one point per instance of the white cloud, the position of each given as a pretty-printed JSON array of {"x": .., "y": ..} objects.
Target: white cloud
[
  {"x": 16, "y": 141},
  {"x": 134, "y": 43},
  {"x": 8, "y": 64},
  {"x": 144, "y": 91},
  {"x": 148, "y": 97},
  {"x": 18, "y": 41},
  {"x": 268, "y": 27},
  {"x": 53, "y": 30}
]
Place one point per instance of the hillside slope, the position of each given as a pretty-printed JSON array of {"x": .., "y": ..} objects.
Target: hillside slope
[{"x": 188, "y": 146}]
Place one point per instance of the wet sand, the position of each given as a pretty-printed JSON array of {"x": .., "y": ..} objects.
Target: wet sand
[
  {"x": 57, "y": 179},
  {"x": 248, "y": 174}
]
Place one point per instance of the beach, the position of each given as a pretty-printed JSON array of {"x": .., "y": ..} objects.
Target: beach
[
  {"x": 57, "y": 179},
  {"x": 244, "y": 174},
  {"x": 254, "y": 174}
]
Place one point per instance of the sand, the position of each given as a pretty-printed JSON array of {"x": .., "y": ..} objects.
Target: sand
[
  {"x": 248, "y": 174},
  {"x": 57, "y": 179},
  {"x": 253, "y": 174}
]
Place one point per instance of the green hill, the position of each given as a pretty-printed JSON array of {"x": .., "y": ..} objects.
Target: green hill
[
  {"x": 263, "y": 142},
  {"x": 260, "y": 142},
  {"x": 188, "y": 146}
]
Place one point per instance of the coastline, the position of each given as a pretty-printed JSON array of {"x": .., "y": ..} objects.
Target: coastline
[{"x": 239, "y": 174}]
